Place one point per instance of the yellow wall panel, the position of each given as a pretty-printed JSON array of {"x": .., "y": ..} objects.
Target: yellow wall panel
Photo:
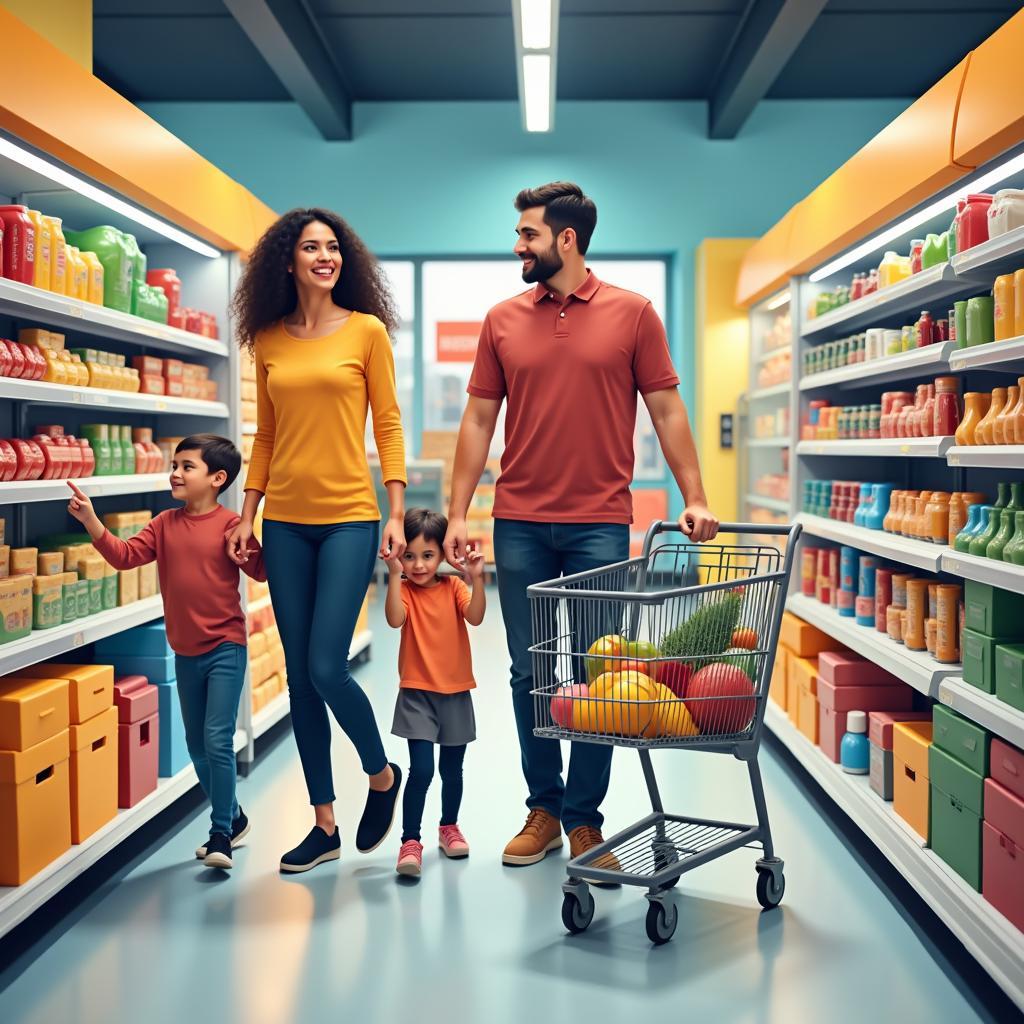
[{"x": 66, "y": 23}]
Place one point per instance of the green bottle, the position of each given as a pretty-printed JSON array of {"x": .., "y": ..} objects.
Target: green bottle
[
  {"x": 127, "y": 449},
  {"x": 1016, "y": 497},
  {"x": 1003, "y": 495},
  {"x": 1014, "y": 551},
  {"x": 98, "y": 436},
  {"x": 980, "y": 543},
  {"x": 115, "y": 451},
  {"x": 962, "y": 541},
  {"x": 1003, "y": 537}
]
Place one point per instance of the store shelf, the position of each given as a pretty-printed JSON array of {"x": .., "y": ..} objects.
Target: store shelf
[
  {"x": 983, "y": 708},
  {"x": 911, "y": 295},
  {"x": 996, "y": 456},
  {"x": 123, "y": 401},
  {"x": 919, "y": 362},
  {"x": 43, "y": 644},
  {"x": 775, "y": 391},
  {"x": 919, "y": 670},
  {"x": 896, "y": 447},
  {"x": 1005, "y": 356},
  {"x": 765, "y": 356},
  {"x": 18, "y": 902},
  {"x": 775, "y": 504},
  {"x": 48, "y": 309},
  {"x": 96, "y": 487},
  {"x": 990, "y": 938},
  {"x": 1004, "y": 575},
  {"x": 999, "y": 255},
  {"x": 916, "y": 553},
  {"x": 768, "y": 442}
]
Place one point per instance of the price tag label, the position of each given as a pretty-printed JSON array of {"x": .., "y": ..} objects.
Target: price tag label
[
  {"x": 77, "y": 398},
  {"x": 161, "y": 406},
  {"x": 952, "y": 565},
  {"x": 78, "y": 639},
  {"x": 953, "y": 459},
  {"x": 76, "y": 310},
  {"x": 904, "y": 449},
  {"x": 101, "y": 400},
  {"x": 957, "y": 364}
]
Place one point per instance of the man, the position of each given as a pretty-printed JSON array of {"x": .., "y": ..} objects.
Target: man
[{"x": 569, "y": 356}]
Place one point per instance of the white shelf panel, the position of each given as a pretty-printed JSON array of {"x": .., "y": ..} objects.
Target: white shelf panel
[
  {"x": 913, "y": 294},
  {"x": 916, "y": 553},
  {"x": 18, "y": 902},
  {"x": 774, "y": 391},
  {"x": 1004, "y": 575},
  {"x": 990, "y": 938},
  {"x": 919, "y": 670},
  {"x": 1005, "y": 355},
  {"x": 992, "y": 258},
  {"x": 24, "y": 491},
  {"x": 896, "y": 447},
  {"x": 768, "y": 442},
  {"x": 51, "y": 310},
  {"x": 765, "y": 356},
  {"x": 775, "y": 504},
  {"x": 919, "y": 362},
  {"x": 983, "y": 708},
  {"x": 996, "y": 456},
  {"x": 43, "y": 644},
  {"x": 63, "y": 394}
]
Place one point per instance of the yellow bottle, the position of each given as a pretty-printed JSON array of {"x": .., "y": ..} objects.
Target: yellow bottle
[
  {"x": 81, "y": 370},
  {"x": 95, "y": 270},
  {"x": 135, "y": 382},
  {"x": 124, "y": 378},
  {"x": 892, "y": 269},
  {"x": 41, "y": 274},
  {"x": 58, "y": 257},
  {"x": 81, "y": 276}
]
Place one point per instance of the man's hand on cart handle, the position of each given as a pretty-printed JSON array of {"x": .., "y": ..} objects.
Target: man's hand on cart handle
[{"x": 698, "y": 523}]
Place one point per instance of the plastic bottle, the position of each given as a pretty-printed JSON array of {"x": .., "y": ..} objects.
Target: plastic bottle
[
  {"x": 946, "y": 416},
  {"x": 1003, "y": 307},
  {"x": 981, "y": 541},
  {"x": 893, "y": 269},
  {"x": 935, "y": 251},
  {"x": 926, "y": 329},
  {"x": 951, "y": 234},
  {"x": 58, "y": 257},
  {"x": 1003, "y": 430},
  {"x": 1003, "y": 537},
  {"x": 98, "y": 437},
  {"x": 976, "y": 406},
  {"x": 94, "y": 292},
  {"x": 44, "y": 245},
  {"x": 972, "y": 223},
  {"x": 916, "y": 247},
  {"x": 983, "y": 432},
  {"x": 1003, "y": 495},
  {"x": 855, "y": 751},
  {"x": 1014, "y": 551},
  {"x": 970, "y": 528},
  {"x": 127, "y": 449},
  {"x": 1014, "y": 429}
]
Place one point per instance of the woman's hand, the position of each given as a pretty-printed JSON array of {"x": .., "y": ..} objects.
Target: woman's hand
[
  {"x": 392, "y": 541},
  {"x": 237, "y": 541}
]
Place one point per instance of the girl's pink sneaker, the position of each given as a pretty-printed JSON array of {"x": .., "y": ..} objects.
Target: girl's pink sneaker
[
  {"x": 452, "y": 841},
  {"x": 410, "y": 858}
]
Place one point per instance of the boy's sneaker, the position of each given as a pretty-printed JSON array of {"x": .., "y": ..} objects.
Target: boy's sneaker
[
  {"x": 316, "y": 848},
  {"x": 218, "y": 851},
  {"x": 410, "y": 859},
  {"x": 239, "y": 830},
  {"x": 452, "y": 842},
  {"x": 378, "y": 815}
]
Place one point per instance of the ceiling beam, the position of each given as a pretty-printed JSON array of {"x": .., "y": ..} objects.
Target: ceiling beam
[
  {"x": 289, "y": 40},
  {"x": 768, "y": 36}
]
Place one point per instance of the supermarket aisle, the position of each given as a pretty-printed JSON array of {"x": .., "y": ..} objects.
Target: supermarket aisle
[{"x": 474, "y": 941}]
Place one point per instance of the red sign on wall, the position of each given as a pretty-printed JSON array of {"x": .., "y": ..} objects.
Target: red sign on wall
[{"x": 457, "y": 340}]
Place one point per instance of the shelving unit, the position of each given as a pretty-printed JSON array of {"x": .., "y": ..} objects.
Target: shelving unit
[
  {"x": 916, "y": 553},
  {"x": 775, "y": 391},
  {"x": 39, "y": 392},
  {"x": 931, "y": 360},
  {"x": 1004, "y": 575},
  {"x": 999, "y": 355},
  {"x": 775, "y": 504},
  {"x": 25, "y": 491},
  {"x": 897, "y": 447},
  {"x": 984, "y": 709},
  {"x": 987, "y": 456}
]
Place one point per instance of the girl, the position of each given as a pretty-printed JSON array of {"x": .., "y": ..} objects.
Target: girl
[
  {"x": 315, "y": 311},
  {"x": 436, "y": 671}
]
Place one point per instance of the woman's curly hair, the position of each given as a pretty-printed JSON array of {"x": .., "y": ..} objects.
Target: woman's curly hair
[{"x": 267, "y": 291}]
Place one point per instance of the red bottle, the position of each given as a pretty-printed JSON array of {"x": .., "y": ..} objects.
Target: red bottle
[
  {"x": 857, "y": 287},
  {"x": 169, "y": 281},
  {"x": 947, "y": 406},
  {"x": 19, "y": 244},
  {"x": 972, "y": 224},
  {"x": 915, "y": 256},
  {"x": 872, "y": 282},
  {"x": 926, "y": 329},
  {"x": 942, "y": 330}
]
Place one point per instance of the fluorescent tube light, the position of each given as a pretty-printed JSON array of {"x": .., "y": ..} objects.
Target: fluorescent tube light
[
  {"x": 943, "y": 205},
  {"x": 84, "y": 188},
  {"x": 537, "y": 91},
  {"x": 782, "y": 299},
  {"x": 535, "y": 24}
]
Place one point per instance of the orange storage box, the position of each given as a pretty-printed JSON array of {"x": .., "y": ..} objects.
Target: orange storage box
[
  {"x": 31, "y": 711},
  {"x": 803, "y": 639},
  {"x": 93, "y": 774},
  {"x": 91, "y": 687},
  {"x": 777, "y": 689},
  {"x": 35, "y": 808},
  {"x": 910, "y": 786},
  {"x": 803, "y": 674}
]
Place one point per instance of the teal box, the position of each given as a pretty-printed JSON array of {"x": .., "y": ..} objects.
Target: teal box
[
  {"x": 156, "y": 670},
  {"x": 173, "y": 750},
  {"x": 961, "y": 738},
  {"x": 1010, "y": 675},
  {"x": 149, "y": 641},
  {"x": 992, "y": 611},
  {"x": 979, "y": 657}
]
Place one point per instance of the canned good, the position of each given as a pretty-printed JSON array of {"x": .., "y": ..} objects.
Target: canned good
[
  {"x": 931, "y": 628},
  {"x": 899, "y": 588},
  {"x": 865, "y": 610},
  {"x": 883, "y": 597},
  {"x": 894, "y": 623},
  {"x": 848, "y": 569},
  {"x": 948, "y": 623},
  {"x": 868, "y": 566},
  {"x": 916, "y": 613},
  {"x": 808, "y": 571}
]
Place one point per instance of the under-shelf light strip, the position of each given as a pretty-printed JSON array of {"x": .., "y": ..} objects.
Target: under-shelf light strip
[
  {"x": 536, "y": 22},
  {"x": 84, "y": 188},
  {"x": 782, "y": 299},
  {"x": 943, "y": 205}
]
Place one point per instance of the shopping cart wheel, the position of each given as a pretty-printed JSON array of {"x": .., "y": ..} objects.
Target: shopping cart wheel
[
  {"x": 661, "y": 921},
  {"x": 770, "y": 887},
  {"x": 577, "y": 913}
]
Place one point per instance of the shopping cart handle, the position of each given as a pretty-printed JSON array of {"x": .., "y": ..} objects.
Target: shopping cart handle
[{"x": 792, "y": 530}]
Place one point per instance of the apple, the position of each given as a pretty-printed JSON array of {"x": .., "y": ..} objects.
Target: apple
[
  {"x": 604, "y": 655},
  {"x": 711, "y": 699},
  {"x": 563, "y": 701},
  {"x": 675, "y": 675}
]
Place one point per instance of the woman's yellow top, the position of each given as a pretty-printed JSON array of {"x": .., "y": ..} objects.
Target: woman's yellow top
[{"x": 312, "y": 397}]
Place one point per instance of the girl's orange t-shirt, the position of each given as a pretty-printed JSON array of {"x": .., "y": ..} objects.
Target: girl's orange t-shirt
[{"x": 435, "y": 653}]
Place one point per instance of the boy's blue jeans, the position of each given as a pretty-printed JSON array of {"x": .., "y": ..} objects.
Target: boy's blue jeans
[
  {"x": 526, "y": 553},
  {"x": 209, "y": 688}
]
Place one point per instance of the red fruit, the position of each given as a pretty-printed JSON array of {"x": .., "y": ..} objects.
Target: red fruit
[
  {"x": 745, "y": 638},
  {"x": 725, "y": 714},
  {"x": 562, "y": 702},
  {"x": 675, "y": 675}
]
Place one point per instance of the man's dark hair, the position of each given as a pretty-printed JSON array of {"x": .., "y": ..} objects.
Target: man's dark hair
[
  {"x": 421, "y": 522},
  {"x": 565, "y": 206},
  {"x": 217, "y": 452}
]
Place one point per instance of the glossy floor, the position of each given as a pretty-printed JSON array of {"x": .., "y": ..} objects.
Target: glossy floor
[{"x": 472, "y": 941}]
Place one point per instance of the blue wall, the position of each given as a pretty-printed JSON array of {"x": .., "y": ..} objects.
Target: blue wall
[{"x": 439, "y": 178}]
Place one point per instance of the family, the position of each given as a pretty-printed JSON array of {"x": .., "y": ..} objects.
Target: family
[{"x": 568, "y": 357}]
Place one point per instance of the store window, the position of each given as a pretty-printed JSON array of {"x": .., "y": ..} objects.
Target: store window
[{"x": 401, "y": 275}]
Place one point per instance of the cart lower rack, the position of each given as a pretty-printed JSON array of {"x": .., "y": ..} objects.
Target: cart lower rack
[{"x": 674, "y": 649}]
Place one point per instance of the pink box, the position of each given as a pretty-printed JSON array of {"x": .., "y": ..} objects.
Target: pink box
[
  {"x": 880, "y": 724},
  {"x": 1004, "y": 811},
  {"x": 841, "y": 668},
  {"x": 834, "y": 701},
  {"x": 1002, "y": 869},
  {"x": 1007, "y": 767}
]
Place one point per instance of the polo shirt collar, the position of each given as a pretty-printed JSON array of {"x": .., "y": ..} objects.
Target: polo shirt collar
[{"x": 584, "y": 293}]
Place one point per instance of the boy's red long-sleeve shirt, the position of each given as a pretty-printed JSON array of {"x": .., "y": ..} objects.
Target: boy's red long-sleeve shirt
[{"x": 198, "y": 581}]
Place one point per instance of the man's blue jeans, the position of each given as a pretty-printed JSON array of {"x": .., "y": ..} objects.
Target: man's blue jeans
[{"x": 526, "y": 553}]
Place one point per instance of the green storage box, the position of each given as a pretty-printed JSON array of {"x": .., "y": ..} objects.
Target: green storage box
[
  {"x": 113, "y": 251},
  {"x": 961, "y": 738},
  {"x": 1010, "y": 675},
  {"x": 957, "y": 797},
  {"x": 992, "y": 611},
  {"x": 979, "y": 657}
]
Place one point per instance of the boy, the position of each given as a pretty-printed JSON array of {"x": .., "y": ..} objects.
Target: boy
[
  {"x": 436, "y": 670},
  {"x": 203, "y": 615}
]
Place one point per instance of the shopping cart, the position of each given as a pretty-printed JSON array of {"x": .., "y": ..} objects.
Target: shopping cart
[{"x": 671, "y": 649}]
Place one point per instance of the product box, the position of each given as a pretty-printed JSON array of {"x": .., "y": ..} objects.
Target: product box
[
  {"x": 173, "y": 748},
  {"x": 257, "y": 646},
  {"x": 779, "y": 681},
  {"x": 806, "y": 682},
  {"x": 1007, "y": 766},
  {"x": 880, "y": 767},
  {"x": 128, "y": 586},
  {"x": 148, "y": 581},
  {"x": 880, "y": 729},
  {"x": 148, "y": 365},
  {"x": 90, "y": 687},
  {"x": 32, "y": 710},
  {"x": 962, "y": 738},
  {"x": 148, "y": 641},
  {"x": 15, "y": 608},
  {"x": 803, "y": 639},
  {"x": 151, "y": 384},
  {"x": 5, "y": 561},
  {"x": 844, "y": 668},
  {"x": 47, "y": 602},
  {"x": 992, "y": 611},
  {"x": 911, "y": 797},
  {"x": 155, "y": 669},
  {"x": 93, "y": 774},
  {"x": 835, "y": 701},
  {"x": 1002, "y": 852},
  {"x": 979, "y": 657},
  {"x": 138, "y": 739},
  {"x": 957, "y": 797},
  {"x": 173, "y": 368},
  {"x": 50, "y": 563},
  {"x": 1010, "y": 675},
  {"x": 24, "y": 560}
]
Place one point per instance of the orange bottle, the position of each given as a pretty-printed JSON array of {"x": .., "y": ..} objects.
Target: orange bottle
[
  {"x": 1003, "y": 303},
  {"x": 983, "y": 431},
  {"x": 58, "y": 257},
  {"x": 1014, "y": 429},
  {"x": 41, "y": 273},
  {"x": 1018, "y": 303},
  {"x": 1003, "y": 431},
  {"x": 976, "y": 405}
]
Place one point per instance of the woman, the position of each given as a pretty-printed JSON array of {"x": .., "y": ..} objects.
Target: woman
[{"x": 315, "y": 311}]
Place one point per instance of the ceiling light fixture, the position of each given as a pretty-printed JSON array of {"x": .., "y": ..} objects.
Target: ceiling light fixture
[
  {"x": 944, "y": 205},
  {"x": 536, "y": 28},
  {"x": 59, "y": 176}
]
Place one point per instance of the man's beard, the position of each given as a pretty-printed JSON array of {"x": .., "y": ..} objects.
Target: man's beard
[{"x": 544, "y": 267}]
